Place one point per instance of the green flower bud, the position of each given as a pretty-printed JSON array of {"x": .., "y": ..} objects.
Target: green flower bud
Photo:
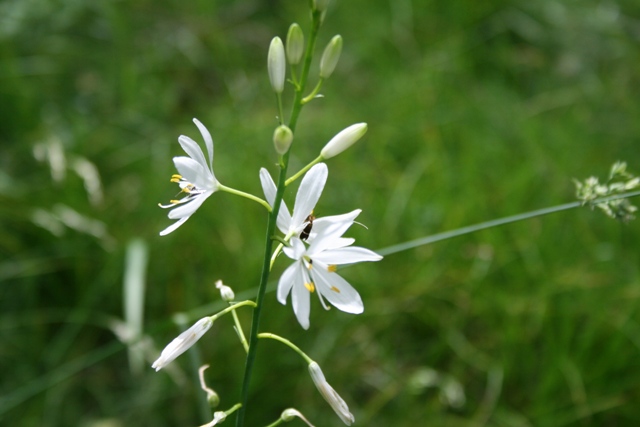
[
  {"x": 330, "y": 57},
  {"x": 213, "y": 400},
  {"x": 295, "y": 44},
  {"x": 276, "y": 64},
  {"x": 282, "y": 138},
  {"x": 343, "y": 140}
]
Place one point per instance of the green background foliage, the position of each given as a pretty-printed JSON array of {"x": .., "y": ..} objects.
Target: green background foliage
[{"x": 476, "y": 110}]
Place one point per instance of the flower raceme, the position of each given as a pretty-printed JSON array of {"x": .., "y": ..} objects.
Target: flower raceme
[{"x": 196, "y": 178}]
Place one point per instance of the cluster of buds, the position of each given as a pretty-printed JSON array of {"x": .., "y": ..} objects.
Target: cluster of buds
[{"x": 591, "y": 191}]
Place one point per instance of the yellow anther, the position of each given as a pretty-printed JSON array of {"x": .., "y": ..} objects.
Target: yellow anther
[
  {"x": 175, "y": 202},
  {"x": 176, "y": 176},
  {"x": 186, "y": 190},
  {"x": 332, "y": 268},
  {"x": 334, "y": 289},
  {"x": 310, "y": 287}
]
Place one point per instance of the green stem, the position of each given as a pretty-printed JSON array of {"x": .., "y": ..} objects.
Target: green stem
[
  {"x": 245, "y": 195},
  {"x": 231, "y": 308},
  {"x": 303, "y": 170},
  {"x": 240, "y": 332},
  {"x": 314, "y": 92},
  {"x": 288, "y": 343},
  {"x": 280, "y": 110},
  {"x": 494, "y": 223},
  {"x": 276, "y": 423},
  {"x": 271, "y": 225}
]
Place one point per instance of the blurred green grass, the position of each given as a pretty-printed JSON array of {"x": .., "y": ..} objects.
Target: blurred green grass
[{"x": 476, "y": 111}]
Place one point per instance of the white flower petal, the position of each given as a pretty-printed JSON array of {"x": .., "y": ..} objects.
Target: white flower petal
[
  {"x": 335, "y": 224},
  {"x": 208, "y": 141},
  {"x": 308, "y": 194},
  {"x": 194, "y": 172},
  {"x": 336, "y": 290},
  {"x": 296, "y": 250},
  {"x": 192, "y": 149},
  {"x": 174, "y": 226},
  {"x": 300, "y": 297},
  {"x": 286, "y": 282},
  {"x": 269, "y": 189},
  {"x": 348, "y": 255},
  {"x": 189, "y": 208}
]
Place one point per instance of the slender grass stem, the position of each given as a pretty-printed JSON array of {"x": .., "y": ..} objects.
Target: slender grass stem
[
  {"x": 494, "y": 223},
  {"x": 271, "y": 224}
]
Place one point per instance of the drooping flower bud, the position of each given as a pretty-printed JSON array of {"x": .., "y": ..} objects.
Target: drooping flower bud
[
  {"x": 330, "y": 57},
  {"x": 290, "y": 413},
  {"x": 276, "y": 64},
  {"x": 282, "y": 138},
  {"x": 295, "y": 44},
  {"x": 343, "y": 140},
  {"x": 182, "y": 343},
  {"x": 330, "y": 395}
]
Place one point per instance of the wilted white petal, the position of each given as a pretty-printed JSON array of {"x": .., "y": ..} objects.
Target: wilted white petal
[
  {"x": 330, "y": 395},
  {"x": 218, "y": 417},
  {"x": 182, "y": 343}
]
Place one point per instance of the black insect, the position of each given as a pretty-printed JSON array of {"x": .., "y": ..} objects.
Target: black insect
[{"x": 307, "y": 229}]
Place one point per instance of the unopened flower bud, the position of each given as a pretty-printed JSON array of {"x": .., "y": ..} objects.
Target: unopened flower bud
[
  {"x": 295, "y": 44},
  {"x": 182, "y": 343},
  {"x": 276, "y": 64},
  {"x": 290, "y": 413},
  {"x": 343, "y": 140},
  {"x": 330, "y": 57},
  {"x": 330, "y": 395},
  {"x": 282, "y": 138},
  {"x": 213, "y": 400}
]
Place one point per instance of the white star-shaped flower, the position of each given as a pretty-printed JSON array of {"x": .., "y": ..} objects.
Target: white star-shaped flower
[
  {"x": 196, "y": 178},
  {"x": 308, "y": 194},
  {"x": 315, "y": 268}
]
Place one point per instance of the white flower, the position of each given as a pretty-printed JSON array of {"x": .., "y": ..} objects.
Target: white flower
[
  {"x": 196, "y": 178},
  {"x": 308, "y": 194},
  {"x": 182, "y": 343},
  {"x": 330, "y": 395},
  {"x": 315, "y": 268}
]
